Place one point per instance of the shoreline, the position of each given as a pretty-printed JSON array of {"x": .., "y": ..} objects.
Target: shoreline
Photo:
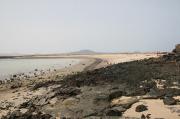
[
  {"x": 46, "y": 56},
  {"x": 100, "y": 60},
  {"x": 84, "y": 63},
  {"x": 11, "y": 98},
  {"x": 9, "y": 94}
]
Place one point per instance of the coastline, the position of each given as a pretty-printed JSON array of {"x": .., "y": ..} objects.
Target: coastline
[
  {"x": 13, "y": 97},
  {"x": 52, "y": 74},
  {"x": 16, "y": 95}
]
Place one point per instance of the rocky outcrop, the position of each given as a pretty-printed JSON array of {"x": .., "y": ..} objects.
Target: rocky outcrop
[
  {"x": 125, "y": 103},
  {"x": 119, "y": 108},
  {"x": 154, "y": 93},
  {"x": 169, "y": 101},
  {"x": 113, "y": 112},
  {"x": 28, "y": 115},
  {"x": 4, "y": 105},
  {"x": 65, "y": 92},
  {"x": 141, "y": 108},
  {"x": 115, "y": 94},
  {"x": 44, "y": 84},
  {"x": 36, "y": 101},
  {"x": 101, "y": 98}
]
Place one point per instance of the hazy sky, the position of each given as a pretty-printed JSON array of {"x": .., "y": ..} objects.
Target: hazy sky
[{"x": 51, "y": 26}]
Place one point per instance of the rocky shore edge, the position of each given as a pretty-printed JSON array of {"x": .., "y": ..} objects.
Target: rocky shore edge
[{"x": 105, "y": 92}]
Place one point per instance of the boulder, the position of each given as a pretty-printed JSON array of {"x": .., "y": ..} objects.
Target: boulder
[
  {"x": 119, "y": 108},
  {"x": 113, "y": 112},
  {"x": 115, "y": 94},
  {"x": 125, "y": 102},
  {"x": 141, "y": 108},
  {"x": 170, "y": 92},
  {"x": 153, "y": 94},
  {"x": 136, "y": 92},
  {"x": 169, "y": 101}
]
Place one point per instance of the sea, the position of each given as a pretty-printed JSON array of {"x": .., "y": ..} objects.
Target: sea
[{"x": 10, "y": 67}]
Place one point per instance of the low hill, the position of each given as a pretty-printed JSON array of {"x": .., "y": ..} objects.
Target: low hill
[{"x": 84, "y": 52}]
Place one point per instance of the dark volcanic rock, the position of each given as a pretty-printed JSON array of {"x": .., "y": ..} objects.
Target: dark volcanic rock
[
  {"x": 119, "y": 108},
  {"x": 169, "y": 101},
  {"x": 154, "y": 93},
  {"x": 115, "y": 94},
  {"x": 101, "y": 98},
  {"x": 141, "y": 108},
  {"x": 143, "y": 116},
  {"x": 40, "y": 100},
  {"x": 65, "y": 92},
  {"x": 5, "y": 105},
  {"x": 149, "y": 85},
  {"x": 169, "y": 92},
  {"x": 136, "y": 92},
  {"x": 130, "y": 73},
  {"x": 113, "y": 112},
  {"x": 44, "y": 84},
  {"x": 16, "y": 85},
  {"x": 28, "y": 115}
]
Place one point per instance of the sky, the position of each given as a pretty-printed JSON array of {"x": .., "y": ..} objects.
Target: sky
[{"x": 57, "y": 26}]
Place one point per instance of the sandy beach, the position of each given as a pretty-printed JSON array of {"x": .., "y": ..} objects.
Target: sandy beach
[
  {"x": 88, "y": 62},
  {"x": 156, "y": 108},
  {"x": 89, "y": 59},
  {"x": 12, "y": 98}
]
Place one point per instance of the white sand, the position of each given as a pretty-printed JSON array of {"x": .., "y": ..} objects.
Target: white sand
[{"x": 118, "y": 58}]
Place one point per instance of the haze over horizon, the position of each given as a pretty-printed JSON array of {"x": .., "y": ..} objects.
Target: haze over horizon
[{"x": 58, "y": 26}]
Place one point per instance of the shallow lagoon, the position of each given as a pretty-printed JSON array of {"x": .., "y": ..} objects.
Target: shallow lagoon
[{"x": 15, "y": 66}]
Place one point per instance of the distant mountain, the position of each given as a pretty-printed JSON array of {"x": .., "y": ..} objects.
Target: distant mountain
[{"x": 84, "y": 52}]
